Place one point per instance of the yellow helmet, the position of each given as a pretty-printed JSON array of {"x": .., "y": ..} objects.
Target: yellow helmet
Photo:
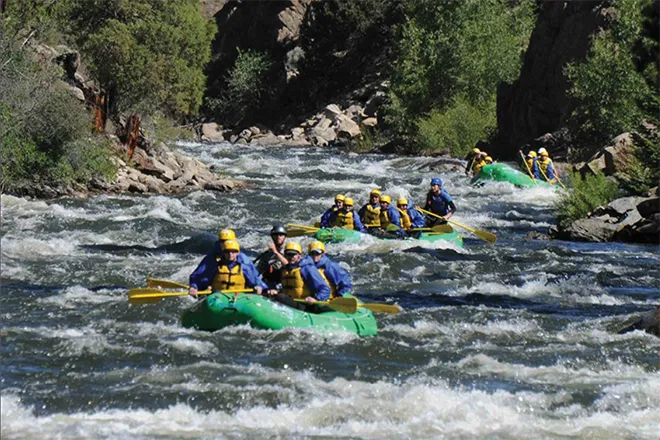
[
  {"x": 231, "y": 245},
  {"x": 385, "y": 199},
  {"x": 316, "y": 246},
  {"x": 544, "y": 153},
  {"x": 488, "y": 159},
  {"x": 292, "y": 246},
  {"x": 339, "y": 197},
  {"x": 476, "y": 150},
  {"x": 542, "y": 150},
  {"x": 402, "y": 201},
  {"x": 531, "y": 154},
  {"x": 226, "y": 234},
  {"x": 374, "y": 192},
  {"x": 348, "y": 201}
]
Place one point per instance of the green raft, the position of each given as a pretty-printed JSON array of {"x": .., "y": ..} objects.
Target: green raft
[
  {"x": 504, "y": 173},
  {"x": 339, "y": 235},
  {"x": 220, "y": 310}
]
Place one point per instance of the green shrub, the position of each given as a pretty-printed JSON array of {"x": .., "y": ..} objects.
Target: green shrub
[
  {"x": 456, "y": 129},
  {"x": 643, "y": 170},
  {"x": 44, "y": 130},
  {"x": 245, "y": 85},
  {"x": 585, "y": 195}
]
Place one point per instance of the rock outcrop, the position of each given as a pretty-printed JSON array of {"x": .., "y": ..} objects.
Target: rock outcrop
[
  {"x": 537, "y": 102},
  {"x": 628, "y": 219},
  {"x": 649, "y": 322}
]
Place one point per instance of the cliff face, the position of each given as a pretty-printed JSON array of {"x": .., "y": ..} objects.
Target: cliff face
[
  {"x": 537, "y": 102},
  {"x": 273, "y": 27}
]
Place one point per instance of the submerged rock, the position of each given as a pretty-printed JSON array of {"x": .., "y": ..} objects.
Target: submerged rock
[{"x": 649, "y": 322}]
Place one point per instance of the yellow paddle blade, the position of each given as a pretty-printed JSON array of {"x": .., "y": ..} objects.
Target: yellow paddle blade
[
  {"x": 146, "y": 295},
  {"x": 341, "y": 304},
  {"x": 292, "y": 233},
  {"x": 381, "y": 308},
  {"x": 293, "y": 225},
  {"x": 484, "y": 235},
  {"x": 165, "y": 284}
]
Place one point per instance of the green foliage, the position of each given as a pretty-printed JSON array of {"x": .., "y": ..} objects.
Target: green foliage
[
  {"x": 586, "y": 194},
  {"x": 456, "y": 129},
  {"x": 610, "y": 87},
  {"x": 643, "y": 171},
  {"x": 245, "y": 86},
  {"x": 455, "y": 49},
  {"x": 149, "y": 53},
  {"x": 42, "y": 127}
]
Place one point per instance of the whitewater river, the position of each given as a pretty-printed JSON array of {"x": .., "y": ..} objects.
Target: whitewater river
[{"x": 514, "y": 340}]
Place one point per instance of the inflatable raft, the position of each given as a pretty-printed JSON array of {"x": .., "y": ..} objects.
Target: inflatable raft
[
  {"x": 220, "y": 310},
  {"x": 338, "y": 235},
  {"x": 500, "y": 172}
]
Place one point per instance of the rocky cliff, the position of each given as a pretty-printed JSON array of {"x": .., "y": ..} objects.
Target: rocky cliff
[{"x": 537, "y": 103}]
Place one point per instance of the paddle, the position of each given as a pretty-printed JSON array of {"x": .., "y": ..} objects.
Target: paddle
[
  {"x": 484, "y": 235},
  {"x": 165, "y": 284},
  {"x": 350, "y": 305},
  {"x": 292, "y": 233},
  {"x": 381, "y": 308},
  {"x": 341, "y": 304},
  {"x": 442, "y": 229},
  {"x": 146, "y": 295},
  {"x": 531, "y": 175},
  {"x": 293, "y": 225}
]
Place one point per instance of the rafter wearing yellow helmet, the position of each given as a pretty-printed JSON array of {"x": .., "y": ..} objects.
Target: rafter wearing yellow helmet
[
  {"x": 226, "y": 268},
  {"x": 346, "y": 217},
  {"x": 370, "y": 213},
  {"x": 326, "y": 218}
]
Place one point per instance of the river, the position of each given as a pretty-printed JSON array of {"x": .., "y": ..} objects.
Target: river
[{"x": 513, "y": 341}]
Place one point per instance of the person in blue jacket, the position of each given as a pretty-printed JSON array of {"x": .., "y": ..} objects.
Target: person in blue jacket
[
  {"x": 300, "y": 280},
  {"x": 338, "y": 279},
  {"x": 411, "y": 218},
  {"x": 390, "y": 220},
  {"x": 439, "y": 202},
  {"x": 225, "y": 269},
  {"x": 327, "y": 216}
]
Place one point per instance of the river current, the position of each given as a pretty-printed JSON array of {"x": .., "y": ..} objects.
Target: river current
[{"x": 516, "y": 340}]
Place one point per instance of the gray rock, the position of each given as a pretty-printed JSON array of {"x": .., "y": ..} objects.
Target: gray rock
[
  {"x": 212, "y": 132},
  {"x": 649, "y": 322},
  {"x": 590, "y": 229}
]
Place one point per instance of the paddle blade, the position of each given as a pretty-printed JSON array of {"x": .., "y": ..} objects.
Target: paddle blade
[
  {"x": 343, "y": 305},
  {"x": 485, "y": 235},
  {"x": 165, "y": 284},
  {"x": 295, "y": 226},
  {"x": 292, "y": 233},
  {"x": 442, "y": 229},
  {"x": 381, "y": 308}
]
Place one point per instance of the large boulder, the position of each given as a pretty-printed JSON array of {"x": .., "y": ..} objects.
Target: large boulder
[
  {"x": 649, "y": 322},
  {"x": 612, "y": 159}
]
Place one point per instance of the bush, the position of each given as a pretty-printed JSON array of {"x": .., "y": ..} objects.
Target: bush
[
  {"x": 642, "y": 172},
  {"x": 457, "y": 128},
  {"x": 586, "y": 194},
  {"x": 44, "y": 129},
  {"x": 245, "y": 86}
]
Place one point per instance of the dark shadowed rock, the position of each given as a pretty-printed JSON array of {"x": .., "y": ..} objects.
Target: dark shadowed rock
[
  {"x": 650, "y": 323},
  {"x": 537, "y": 102}
]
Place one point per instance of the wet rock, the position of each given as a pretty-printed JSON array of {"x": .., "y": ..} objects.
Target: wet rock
[
  {"x": 649, "y": 322},
  {"x": 534, "y": 235}
]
